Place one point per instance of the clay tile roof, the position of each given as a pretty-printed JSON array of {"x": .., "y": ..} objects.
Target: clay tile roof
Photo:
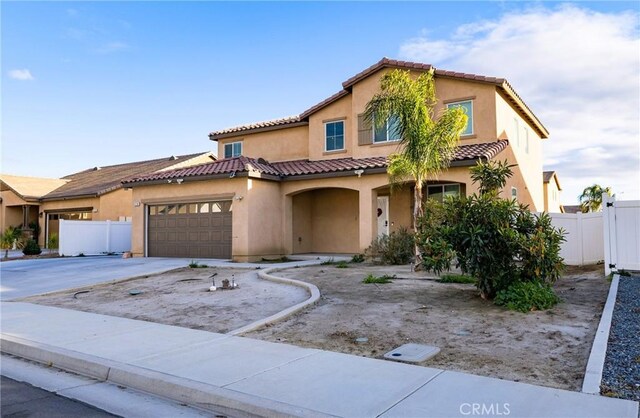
[
  {"x": 264, "y": 124},
  {"x": 291, "y": 169},
  {"x": 305, "y": 167},
  {"x": 100, "y": 180},
  {"x": 548, "y": 175},
  {"x": 501, "y": 84},
  {"x": 486, "y": 150},
  {"x": 383, "y": 63},
  {"x": 29, "y": 188}
]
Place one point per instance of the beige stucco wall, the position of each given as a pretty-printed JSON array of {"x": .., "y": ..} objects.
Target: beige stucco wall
[
  {"x": 551, "y": 204},
  {"x": 114, "y": 205},
  {"x": 327, "y": 221},
  {"x": 338, "y": 110},
  {"x": 10, "y": 209},
  {"x": 264, "y": 206},
  {"x": 529, "y": 161},
  {"x": 278, "y": 145}
]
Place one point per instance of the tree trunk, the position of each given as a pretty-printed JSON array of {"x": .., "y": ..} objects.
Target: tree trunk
[{"x": 417, "y": 214}]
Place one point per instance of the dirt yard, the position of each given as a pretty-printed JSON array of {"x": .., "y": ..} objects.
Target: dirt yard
[
  {"x": 181, "y": 297},
  {"x": 548, "y": 348}
]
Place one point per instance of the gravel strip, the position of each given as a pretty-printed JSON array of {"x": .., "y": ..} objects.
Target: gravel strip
[{"x": 621, "y": 375}]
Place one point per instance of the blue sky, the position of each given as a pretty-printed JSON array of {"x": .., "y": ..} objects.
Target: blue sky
[{"x": 100, "y": 83}]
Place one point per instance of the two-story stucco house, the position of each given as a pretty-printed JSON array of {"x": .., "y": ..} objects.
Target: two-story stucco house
[{"x": 317, "y": 182}]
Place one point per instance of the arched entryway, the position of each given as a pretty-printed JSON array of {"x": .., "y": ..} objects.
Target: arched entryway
[{"x": 325, "y": 220}]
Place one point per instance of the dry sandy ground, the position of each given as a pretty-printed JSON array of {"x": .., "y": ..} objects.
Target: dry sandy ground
[
  {"x": 549, "y": 348},
  {"x": 180, "y": 297}
]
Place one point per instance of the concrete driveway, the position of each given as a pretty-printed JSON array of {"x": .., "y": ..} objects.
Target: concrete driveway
[{"x": 20, "y": 278}]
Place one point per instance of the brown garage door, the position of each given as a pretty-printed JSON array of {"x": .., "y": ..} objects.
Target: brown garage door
[{"x": 198, "y": 230}]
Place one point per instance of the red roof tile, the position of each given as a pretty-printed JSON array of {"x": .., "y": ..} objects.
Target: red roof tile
[
  {"x": 501, "y": 83},
  {"x": 264, "y": 124},
  {"x": 284, "y": 169}
]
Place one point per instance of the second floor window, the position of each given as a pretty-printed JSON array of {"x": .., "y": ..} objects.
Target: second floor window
[
  {"x": 232, "y": 149},
  {"x": 467, "y": 105},
  {"x": 388, "y": 132},
  {"x": 334, "y": 135}
]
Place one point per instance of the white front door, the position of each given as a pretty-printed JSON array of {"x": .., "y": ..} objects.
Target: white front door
[{"x": 383, "y": 215}]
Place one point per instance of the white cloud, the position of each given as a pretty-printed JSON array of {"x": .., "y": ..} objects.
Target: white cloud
[
  {"x": 22, "y": 75},
  {"x": 578, "y": 70}
]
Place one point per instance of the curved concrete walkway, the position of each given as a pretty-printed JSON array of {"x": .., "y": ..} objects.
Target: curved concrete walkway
[{"x": 242, "y": 376}]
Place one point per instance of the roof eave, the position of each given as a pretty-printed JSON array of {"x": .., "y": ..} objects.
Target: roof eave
[{"x": 216, "y": 137}]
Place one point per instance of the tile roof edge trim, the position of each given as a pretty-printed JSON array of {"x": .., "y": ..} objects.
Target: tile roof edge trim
[{"x": 213, "y": 136}]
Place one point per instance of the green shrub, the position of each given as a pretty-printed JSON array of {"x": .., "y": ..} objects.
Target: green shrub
[
  {"x": 527, "y": 296},
  {"x": 328, "y": 262},
  {"x": 31, "y": 248},
  {"x": 396, "y": 248},
  {"x": 497, "y": 241},
  {"x": 342, "y": 265},
  {"x": 357, "y": 258},
  {"x": 194, "y": 265},
  {"x": 52, "y": 242},
  {"x": 457, "y": 278},
  {"x": 378, "y": 280}
]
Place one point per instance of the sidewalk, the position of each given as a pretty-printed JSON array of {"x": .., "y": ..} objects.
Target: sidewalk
[{"x": 241, "y": 376}]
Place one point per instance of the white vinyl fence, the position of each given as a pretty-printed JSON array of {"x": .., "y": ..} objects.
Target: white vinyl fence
[
  {"x": 622, "y": 234},
  {"x": 584, "y": 237},
  {"x": 93, "y": 237}
]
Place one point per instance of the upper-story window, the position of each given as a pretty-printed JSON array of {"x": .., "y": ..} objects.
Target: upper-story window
[
  {"x": 232, "y": 149},
  {"x": 467, "y": 105},
  {"x": 388, "y": 132},
  {"x": 334, "y": 136},
  {"x": 514, "y": 193}
]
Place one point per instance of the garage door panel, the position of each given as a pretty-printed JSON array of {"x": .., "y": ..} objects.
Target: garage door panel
[{"x": 197, "y": 233}]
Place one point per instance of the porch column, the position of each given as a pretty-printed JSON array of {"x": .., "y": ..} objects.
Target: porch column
[
  {"x": 287, "y": 225},
  {"x": 366, "y": 218}
]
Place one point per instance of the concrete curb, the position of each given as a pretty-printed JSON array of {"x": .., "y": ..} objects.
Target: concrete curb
[
  {"x": 314, "y": 296},
  {"x": 201, "y": 395},
  {"x": 595, "y": 365}
]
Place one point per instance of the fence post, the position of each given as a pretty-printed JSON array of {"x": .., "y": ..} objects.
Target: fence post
[
  {"x": 60, "y": 238},
  {"x": 108, "y": 236},
  {"x": 609, "y": 225},
  {"x": 580, "y": 237}
]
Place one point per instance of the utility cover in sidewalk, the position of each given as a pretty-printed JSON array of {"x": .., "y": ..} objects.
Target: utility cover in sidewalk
[{"x": 414, "y": 353}]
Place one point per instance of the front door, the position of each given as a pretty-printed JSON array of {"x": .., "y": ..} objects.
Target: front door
[{"x": 383, "y": 215}]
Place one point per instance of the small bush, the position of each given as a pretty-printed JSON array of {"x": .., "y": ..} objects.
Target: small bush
[
  {"x": 357, "y": 258},
  {"x": 378, "y": 280},
  {"x": 328, "y": 262},
  {"x": 457, "y": 278},
  {"x": 527, "y": 296},
  {"x": 194, "y": 265},
  {"x": 396, "y": 248},
  {"x": 342, "y": 265},
  {"x": 31, "y": 248}
]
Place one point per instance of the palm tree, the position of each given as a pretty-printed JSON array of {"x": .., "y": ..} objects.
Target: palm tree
[
  {"x": 591, "y": 198},
  {"x": 427, "y": 145},
  {"x": 8, "y": 238}
]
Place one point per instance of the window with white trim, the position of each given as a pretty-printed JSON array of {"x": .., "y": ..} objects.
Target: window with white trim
[
  {"x": 514, "y": 193},
  {"x": 232, "y": 149},
  {"x": 467, "y": 105},
  {"x": 441, "y": 191},
  {"x": 388, "y": 132},
  {"x": 334, "y": 136}
]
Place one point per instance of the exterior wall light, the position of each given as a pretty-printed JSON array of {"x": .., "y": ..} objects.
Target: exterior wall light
[{"x": 359, "y": 172}]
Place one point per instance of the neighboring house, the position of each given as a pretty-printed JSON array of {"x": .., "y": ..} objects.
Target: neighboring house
[
  {"x": 572, "y": 209},
  {"x": 551, "y": 190},
  {"x": 97, "y": 194},
  {"x": 317, "y": 182},
  {"x": 20, "y": 199}
]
